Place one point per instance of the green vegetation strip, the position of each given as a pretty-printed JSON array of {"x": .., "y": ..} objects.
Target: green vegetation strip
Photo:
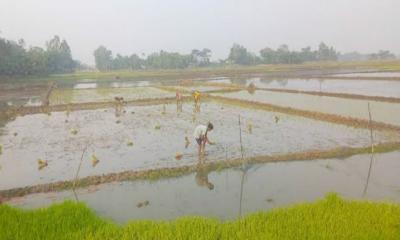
[
  {"x": 160, "y": 173},
  {"x": 328, "y": 218},
  {"x": 337, "y": 119}
]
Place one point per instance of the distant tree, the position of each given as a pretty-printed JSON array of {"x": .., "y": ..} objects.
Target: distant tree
[
  {"x": 38, "y": 61},
  {"x": 353, "y": 56},
  {"x": 239, "y": 55},
  {"x": 59, "y": 56},
  {"x": 165, "y": 60},
  {"x": 200, "y": 58},
  {"x": 103, "y": 59},
  {"x": 326, "y": 53},
  {"x": 382, "y": 55},
  {"x": 307, "y": 55},
  {"x": 283, "y": 54},
  {"x": 268, "y": 55}
]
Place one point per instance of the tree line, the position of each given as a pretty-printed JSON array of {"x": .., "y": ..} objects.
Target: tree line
[
  {"x": 159, "y": 60},
  {"x": 17, "y": 60},
  {"x": 201, "y": 58},
  {"x": 56, "y": 57}
]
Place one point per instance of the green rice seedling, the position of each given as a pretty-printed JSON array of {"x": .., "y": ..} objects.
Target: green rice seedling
[
  {"x": 129, "y": 143},
  {"x": 187, "y": 142},
  {"x": 95, "y": 160},
  {"x": 269, "y": 200},
  {"x": 42, "y": 164},
  {"x": 250, "y": 128},
  {"x": 74, "y": 131},
  {"x": 157, "y": 127},
  {"x": 329, "y": 218},
  {"x": 143, "y": 204}
]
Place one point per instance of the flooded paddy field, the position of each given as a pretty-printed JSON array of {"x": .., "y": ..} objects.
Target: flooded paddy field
[
  {"x": 22, "y": 95},
  {"x": 235, "y": 192},
  {"x": 381, "y": 88},
  {"x": 148, "y": 137},
  {"x": 141, "y": 162},
  {"x": 383, "y": 112}
]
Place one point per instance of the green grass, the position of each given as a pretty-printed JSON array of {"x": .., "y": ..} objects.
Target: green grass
[{"x": 329, "y": 218}]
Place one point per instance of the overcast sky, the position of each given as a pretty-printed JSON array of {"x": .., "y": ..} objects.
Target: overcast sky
[{"x": 145, "y": 26}]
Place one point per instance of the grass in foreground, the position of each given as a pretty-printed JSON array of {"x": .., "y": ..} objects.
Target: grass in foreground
[{"x": 329, "y": 218}]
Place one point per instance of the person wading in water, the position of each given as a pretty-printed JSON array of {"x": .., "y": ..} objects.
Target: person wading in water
[{"x": 200, "y": 134}]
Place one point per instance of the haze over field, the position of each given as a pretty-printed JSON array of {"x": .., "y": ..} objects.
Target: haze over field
[{"x": 145, "y": 26}]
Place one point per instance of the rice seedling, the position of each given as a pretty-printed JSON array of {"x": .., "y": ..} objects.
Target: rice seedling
[
  {"x": 143, "y": 204},
  {"x": 74, "y": 131},
  {"x": 1, "y": 149},
  {"x": 276, "y": 119},
  {"x": 95, "y": 160},
  {"x": 250, "y": 128},
  {"x": 157, "y": 127},
  {"x": 269, "y": 200},
  {"x": 187, "y": 142},
  {"x": 15, "y": 134},
  {"x": 118, "y": 121},
  {"x": 129, "y": 143},
  {"x": 164, "y": 110},
  {"x": 329, "y": 167},
  {"x": 42, "y": 164}
]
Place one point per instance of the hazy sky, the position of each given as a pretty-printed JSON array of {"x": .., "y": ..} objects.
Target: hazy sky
[{"x": 137, "y": 26}]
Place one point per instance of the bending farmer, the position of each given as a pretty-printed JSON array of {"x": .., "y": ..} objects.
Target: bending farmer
[{"x": 200, "y": 134}]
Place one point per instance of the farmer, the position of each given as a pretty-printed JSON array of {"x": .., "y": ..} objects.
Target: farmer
[
  {"x": 196, "y": 97},
  {"x": 200, "y": 134}
]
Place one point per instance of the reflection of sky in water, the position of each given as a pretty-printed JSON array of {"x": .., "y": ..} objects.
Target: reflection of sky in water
[
  {"x": 362, "y": 87},
  {"x": 265, "y": 186},
  {"x": 372, "y": 74},
  {"x": 85, "y": 85},
  {"x": 381, "y": 111}
]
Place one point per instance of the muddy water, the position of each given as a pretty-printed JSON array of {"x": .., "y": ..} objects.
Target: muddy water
[
  {"x": 21, "y": 96},
  {"x": 381, "y": 111},
  {"x": 156, "y": 139},
  {"x": 380, "y": 88},
  {"x": 264, "y": 187}
]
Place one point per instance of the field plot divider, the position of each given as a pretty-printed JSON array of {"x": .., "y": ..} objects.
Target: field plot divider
[{"x": 333, "y": 118}]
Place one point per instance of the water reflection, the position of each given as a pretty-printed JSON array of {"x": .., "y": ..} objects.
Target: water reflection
[
  {"x": 201, "y": 176},
  {"x": 260, "y": 187}
]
